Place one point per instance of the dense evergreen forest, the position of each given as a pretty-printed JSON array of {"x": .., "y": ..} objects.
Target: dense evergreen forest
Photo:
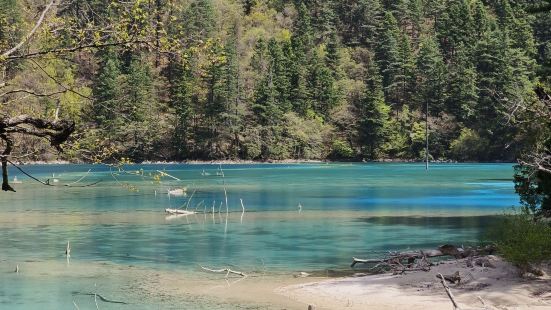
[{"x": 261, "y": 80}]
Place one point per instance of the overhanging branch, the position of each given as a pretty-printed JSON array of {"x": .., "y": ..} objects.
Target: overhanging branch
[
  {"x": 7, "y": 53},
  {"x": 56, "y": 131},
  {"x": 75, "y": 49}
]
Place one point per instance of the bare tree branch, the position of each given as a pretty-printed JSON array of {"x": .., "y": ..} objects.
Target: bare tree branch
[
  {"x": 31, "y": 33},
  {"x": 76, "y": 48},
  {"x": 32, "y": 92}
]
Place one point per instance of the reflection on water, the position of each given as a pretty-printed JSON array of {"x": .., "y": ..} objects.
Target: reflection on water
[{"x": 347, "y": 210}]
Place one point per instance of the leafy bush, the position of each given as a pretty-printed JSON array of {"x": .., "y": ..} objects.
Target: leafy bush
[
  {"x": 341, "y": 150},
  {"x": 522, "y": 240},
  {"x": 468, "y": 146}
]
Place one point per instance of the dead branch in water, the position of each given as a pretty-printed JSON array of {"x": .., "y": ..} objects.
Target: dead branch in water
[{"x": 225, "y": 270}]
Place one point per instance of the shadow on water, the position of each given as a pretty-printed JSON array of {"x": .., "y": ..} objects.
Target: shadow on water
[
  {"x": 451, "y": 222},
  {"x": 482, "y": 225}
]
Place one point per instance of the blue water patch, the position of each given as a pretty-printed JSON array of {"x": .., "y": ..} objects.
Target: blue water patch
[{"x": 345, "y": 210}]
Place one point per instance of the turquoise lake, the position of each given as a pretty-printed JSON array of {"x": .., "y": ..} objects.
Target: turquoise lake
[{"x": 347, "y": 210}]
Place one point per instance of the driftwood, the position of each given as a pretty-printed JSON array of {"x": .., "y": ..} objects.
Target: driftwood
[
  {"x": 448, "y": 291},
  {"x": 179, "y": 211},
  {"x": 225, "y": 270},
  {"x": 454, "y": 278},
  {"x": 480, "y": 261},
  {"x": 400, "y": 262},
  {"x": 96, "y": 295},
  {"x": 443, "y": 280}
]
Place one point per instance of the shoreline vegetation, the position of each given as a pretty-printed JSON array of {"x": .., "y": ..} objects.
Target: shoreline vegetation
[{"x": 275, "y": 161}]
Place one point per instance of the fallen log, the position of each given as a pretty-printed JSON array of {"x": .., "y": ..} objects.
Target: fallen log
[{"x": 226, "y": 270}]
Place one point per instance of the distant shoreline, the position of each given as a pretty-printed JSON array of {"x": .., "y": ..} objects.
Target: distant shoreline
[{"x": 274, "y": 161}]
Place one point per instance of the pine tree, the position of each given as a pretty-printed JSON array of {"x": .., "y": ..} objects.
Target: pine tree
[
  {"x": 405, "y": 80},
  {"x": 415, "y": 16},
  {"x": 231, "y": 71},
  {"x": 138, "y": 87},
  {"x": 462, "y": 87},
  {"x": 303, "y": 32},
  {"x": 504, "y": 79},
  {"x": 481, "y": 20},
  {"x": 199, "y": 19},
  {"x": 323, "y": 19},
  {"x": 298, "y": 73},
  {"x": 373, "y": 114},
  {"x": 434, "y": 8},
  {"x": 389, "y": 58},
  {"x": 359, "y": 21},
  {"x": 215, "y": 79},
  {"x": 430, "y": 84},
  {"x": 517, "y": 25},
  {"x": 280, "y": 76},
  {"x": 266, "y": 94},
  {"x": 139, "y": 105},
  {"x": 455, "y": 27},
  {"x": 180, "y": 90},
  {"x": 106, "y": 90},
  {"x": 398, "y": 8},
  {"x": 332, "y": 56},
  {"x": 322, "y": 85}
]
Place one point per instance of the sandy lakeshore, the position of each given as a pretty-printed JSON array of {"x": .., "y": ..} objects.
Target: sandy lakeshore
[
  {"x": 499, "y": 287},
  {"x": 144, "y": 288}
]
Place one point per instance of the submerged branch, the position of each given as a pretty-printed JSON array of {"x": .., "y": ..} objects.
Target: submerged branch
[{"x": 225, "y": 270}]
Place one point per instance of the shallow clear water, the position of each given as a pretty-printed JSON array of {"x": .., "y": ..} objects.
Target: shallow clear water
[{"x": 347, "y": 210}]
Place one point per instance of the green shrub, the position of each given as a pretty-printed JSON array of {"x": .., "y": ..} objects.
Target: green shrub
[
  {"x": 523, "y": 240},
  {"x": 341, "y": 150},
  {"x": 468, "y": 146}
]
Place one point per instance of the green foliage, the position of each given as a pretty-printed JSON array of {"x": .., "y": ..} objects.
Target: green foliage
[
  {"x": 10, "y": 23},
  {"x": 462, "y": 91},
  {"x": 359, "y": 21},
  {"x": 523, "y": 240},
  {"x": 199, "y": 19},
  {"x": 288, "y": 79},
  {"x": 373, "y": 112},
  {"x": 469, "y": 146},
  {"x": 455, "y": 27},
  {"x": 430, "y": 84},
  {"x": 106, "y": 89},
  {"x": 341, "y": 150}
]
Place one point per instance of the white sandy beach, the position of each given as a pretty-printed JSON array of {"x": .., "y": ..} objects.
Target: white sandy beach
[{"x": 500, "y": 288}]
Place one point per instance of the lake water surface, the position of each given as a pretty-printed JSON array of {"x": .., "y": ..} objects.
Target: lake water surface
[{"x": 347, "y": 210}]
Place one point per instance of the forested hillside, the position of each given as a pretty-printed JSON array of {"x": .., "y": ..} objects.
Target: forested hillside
[{"x": 260, "y": 80}]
